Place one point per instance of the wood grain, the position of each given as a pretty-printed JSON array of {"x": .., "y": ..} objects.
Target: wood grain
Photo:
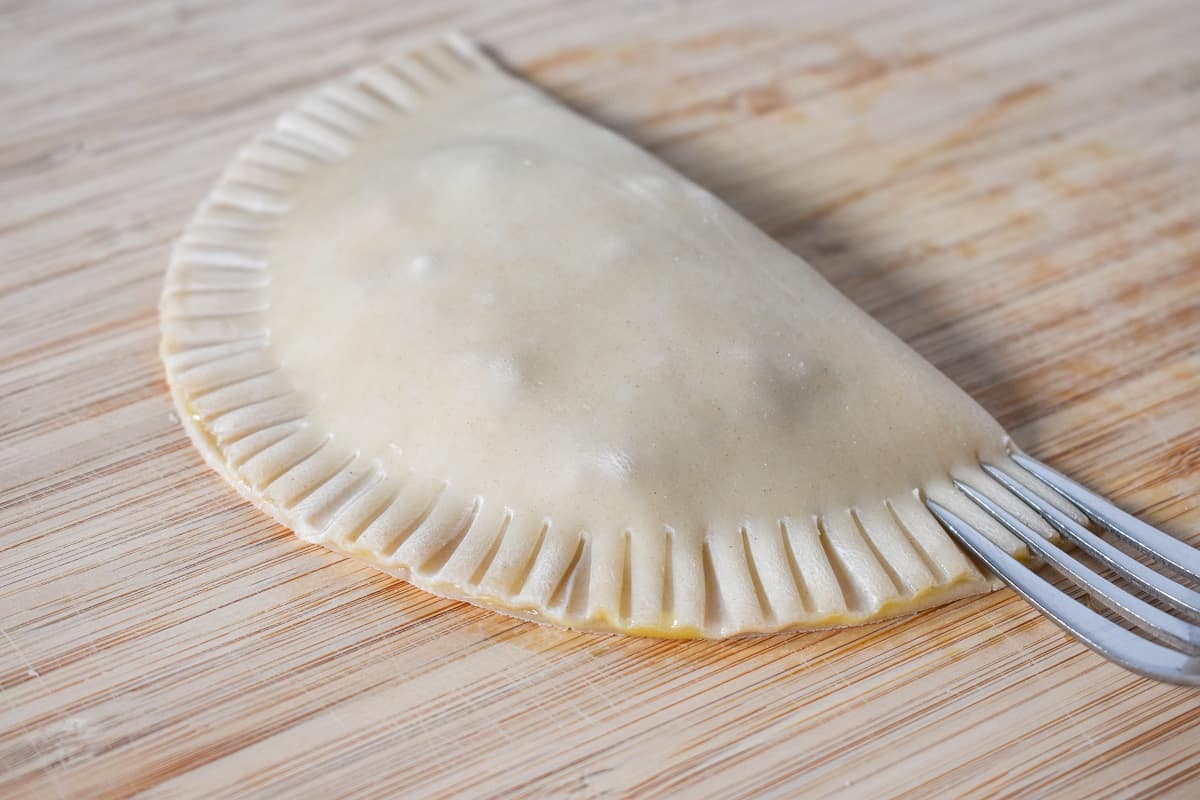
[{"x": 1010, "y": 187}]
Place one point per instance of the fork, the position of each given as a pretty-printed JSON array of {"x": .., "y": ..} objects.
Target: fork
[{"x": 1175, "y": 656}]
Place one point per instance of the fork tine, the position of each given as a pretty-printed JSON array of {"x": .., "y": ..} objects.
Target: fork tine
[
  {"x": 1149, "y": 539},
  {"x": 1172, "y": 630},
  {"x": 1105, "y": 637},
  {"x": 1026, "y": 478},
  {"x": 1183, "y": 599}
]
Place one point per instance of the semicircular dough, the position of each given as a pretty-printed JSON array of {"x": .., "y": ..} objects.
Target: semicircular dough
[{"x": 438, "y": 321}]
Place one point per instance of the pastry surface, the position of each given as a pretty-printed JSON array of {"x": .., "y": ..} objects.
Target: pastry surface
[{"x": 439, "y": 322}]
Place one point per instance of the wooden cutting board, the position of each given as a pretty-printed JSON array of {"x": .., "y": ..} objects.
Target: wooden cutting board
[{"x": 1013, "y": 188}]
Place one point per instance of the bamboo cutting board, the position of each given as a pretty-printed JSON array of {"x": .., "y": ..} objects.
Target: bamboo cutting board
[{"x": 1012, "y": 188}]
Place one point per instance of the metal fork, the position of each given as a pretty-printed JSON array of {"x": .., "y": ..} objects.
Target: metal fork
[{"x": 1175, "y": 656}]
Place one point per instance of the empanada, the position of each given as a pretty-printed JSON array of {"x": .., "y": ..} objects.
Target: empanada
[{"x": 439, "y": 322}]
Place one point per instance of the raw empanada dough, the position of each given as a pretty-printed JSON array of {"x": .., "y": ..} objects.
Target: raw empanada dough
[{"x": 439, "y": 322}]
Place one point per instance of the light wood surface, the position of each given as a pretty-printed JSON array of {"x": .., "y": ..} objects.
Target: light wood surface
[{"x": 1012, "y": 188}]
